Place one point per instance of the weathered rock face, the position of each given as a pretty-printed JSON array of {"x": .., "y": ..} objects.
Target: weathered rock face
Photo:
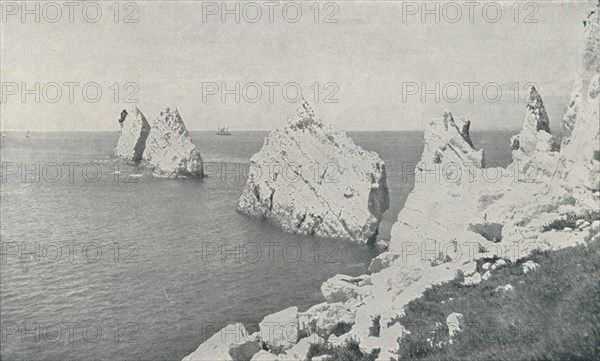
[
  {"x": 310, "y": 179},
  {"x": 165, "y": 147},
  {"x": 280, "y": 330},
  {"x": 132, "y": 140},
  {"x": 535, "y": 135},
  {"x": 169, "y": 148},
  {"x": 232, "y": 343},
  {"x": 580, "y": 124}
]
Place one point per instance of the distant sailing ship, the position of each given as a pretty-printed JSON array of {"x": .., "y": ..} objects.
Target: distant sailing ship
[
  {"x": 27, "y": 135},
  {"x": 223, "y": 131}
]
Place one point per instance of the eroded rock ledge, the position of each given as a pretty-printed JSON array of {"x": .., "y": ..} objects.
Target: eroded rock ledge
[
  {"x": 310, "y": 179},
  {"x": 164, "y": 148}
]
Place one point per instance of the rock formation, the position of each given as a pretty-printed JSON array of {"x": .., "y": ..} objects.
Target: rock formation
[
  {"x": 132, "y": 140},
  {"x": 310, "y": 179},
  {"x": 580, "y": 124},
  {"x": 535, "y": 135},
  {"x": 460, "y": 212},
  {"x": 169, "y": 148},
  {"x": 165, "y": 148}
]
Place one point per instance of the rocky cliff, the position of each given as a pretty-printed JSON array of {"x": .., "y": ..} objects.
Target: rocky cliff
[
  {"x": 132, "y": 140},
  {"x": 165, "y": 148},
  {"x": 310, "y": 179},
  {"x": 461, "y": 220}
]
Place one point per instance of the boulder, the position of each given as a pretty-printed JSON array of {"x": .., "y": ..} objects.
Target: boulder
[
  {"x": 169, "y": 148},
  {"x": 326, "y": 318},
  {"x": 341, "y": 288},
  {"x": 472, "y": 280},
  {"x": 280, "y": 330},
  {"x": 310, "y": 179},
  {"x": 529, "y": 266},
  {"x": 299, "y": 351},
  {"x": 232, "y": 343},
  {"x": 454, "y": 321},
  {"x": 384, "y": 260}
]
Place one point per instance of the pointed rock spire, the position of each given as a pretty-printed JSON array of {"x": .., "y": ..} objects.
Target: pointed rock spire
[
  {"x": 304, "y": 117},
  {"x": 535, "y": 107}
]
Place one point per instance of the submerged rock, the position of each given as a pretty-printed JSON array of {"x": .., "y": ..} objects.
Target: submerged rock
[
  {"x": 310, "y": 179},
  {"x": 132, "y": 139},
  {"x": 169, "y": 148}
]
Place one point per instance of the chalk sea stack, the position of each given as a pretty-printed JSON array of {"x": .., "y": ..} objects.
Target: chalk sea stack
[
  {"x": 310, "y": 179},
  {"x": 169, "y": 148},
  {"x": 164, "y": 148},
  {"x": 134, "y": 133}
]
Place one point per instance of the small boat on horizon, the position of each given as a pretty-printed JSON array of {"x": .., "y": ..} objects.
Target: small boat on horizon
[
  {"x": 27, "y": 135},
  {"x": 223, "y": 131}
]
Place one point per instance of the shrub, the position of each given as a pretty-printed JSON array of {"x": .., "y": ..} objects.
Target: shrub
[{"x": 552, "y": 313}]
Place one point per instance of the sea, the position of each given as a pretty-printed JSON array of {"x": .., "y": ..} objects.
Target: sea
[{"x": 100, "y": 262}]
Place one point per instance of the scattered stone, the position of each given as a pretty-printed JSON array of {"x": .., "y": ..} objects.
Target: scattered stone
[
  {"x": 486, "y": 266},
  {"x": 473, "y": 280},
  {"x": 530, "y": 266},
  {"x": 469, "y": 268},
  {"x": 505, "y": 288},
  {"x": 486, "y": 276},
  {"x": 454, "y": 322},
  {"x": 567, "y": 229}
]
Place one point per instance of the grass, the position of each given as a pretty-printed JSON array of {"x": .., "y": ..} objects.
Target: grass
[
  {"x": 553, "y": 313},
  {"x": 349, "y": 352},
  {"x": 570, "y": 221}
]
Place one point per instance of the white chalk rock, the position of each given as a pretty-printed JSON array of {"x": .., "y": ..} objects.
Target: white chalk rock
[
  {"x": 454, "y": 321},
  {"x": 535, "y": 135},
  {"x": 581, "y": 140},
  {"x": 310, "y": 179},
  {"x": 280, "y": 330},
  {"x": 299, "y": 351},
  {"x": 325, "y": 318},
  {"x": 169, "y": 148},
  {"x": 529, "y": 266},
  {"x": 133, "y": 135},
  {"x": 384, "y": 260},
  {"x": 232, "y": 343},
  {"x": 341, "y": 288},
  {"x": 263, "y": 355},
  {"x": 472, "y": 280}
]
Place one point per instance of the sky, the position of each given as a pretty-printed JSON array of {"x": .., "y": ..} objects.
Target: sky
[{"x": 361, "y": 65}]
